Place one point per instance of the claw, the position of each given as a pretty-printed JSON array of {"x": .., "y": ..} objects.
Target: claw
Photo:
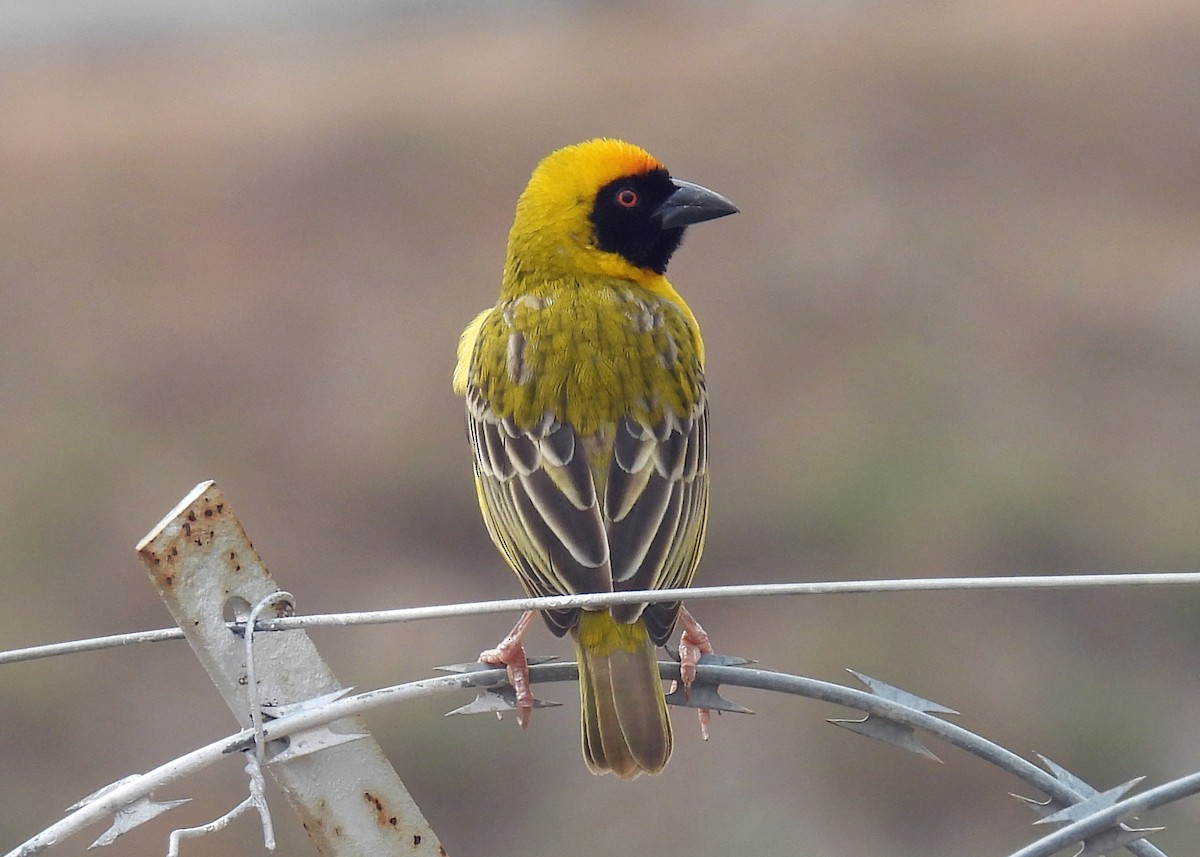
[
  {"x": 510, "y": 653},
  {"x": 693, "y": 643}
]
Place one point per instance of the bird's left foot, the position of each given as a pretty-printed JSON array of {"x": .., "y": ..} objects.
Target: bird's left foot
[
  {"x": 693, "y": 643},
  {"x": 510, "y": 653}
]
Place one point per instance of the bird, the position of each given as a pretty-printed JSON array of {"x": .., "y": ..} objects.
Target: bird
[{"x": 587, "y": 414}]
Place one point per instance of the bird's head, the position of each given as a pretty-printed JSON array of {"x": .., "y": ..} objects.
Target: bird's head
[{"x": 605, "y": 207}]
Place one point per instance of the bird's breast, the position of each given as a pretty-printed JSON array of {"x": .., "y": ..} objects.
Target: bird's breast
[{"x": 587, "y": 356}]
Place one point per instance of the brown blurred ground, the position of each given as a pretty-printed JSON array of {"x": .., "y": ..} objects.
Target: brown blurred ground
[{"x": 955, "y": 330}]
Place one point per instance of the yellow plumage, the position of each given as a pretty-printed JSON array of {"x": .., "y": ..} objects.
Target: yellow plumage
[{"x": 587, "y": 414}]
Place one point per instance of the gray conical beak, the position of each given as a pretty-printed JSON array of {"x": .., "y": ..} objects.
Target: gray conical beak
[{"x": 691, "y": 203}]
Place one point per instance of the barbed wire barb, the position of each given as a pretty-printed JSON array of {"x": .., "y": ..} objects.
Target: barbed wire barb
[
  {"x": 1092, "y": 803},
  {"x": 311, "y": 740},
  {"x": 1102, "y": 831},
  {"x": 704, "y": 693},
  {"x": 133, "y": 814},
  {"x": 500, "y": 697},
  {"x": 889, "y": 731}
]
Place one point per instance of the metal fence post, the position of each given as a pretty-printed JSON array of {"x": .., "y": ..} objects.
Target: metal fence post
[{"x": 346, "y": 793}]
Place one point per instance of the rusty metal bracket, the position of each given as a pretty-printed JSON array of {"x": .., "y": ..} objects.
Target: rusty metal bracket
[{"x": 342, "y": 787}]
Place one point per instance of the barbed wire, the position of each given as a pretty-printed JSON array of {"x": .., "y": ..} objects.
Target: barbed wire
[
  {"x": 223, "y": 575},
  {"x": 608, "y": 599},
  {"x": 1094, "y": 813}
]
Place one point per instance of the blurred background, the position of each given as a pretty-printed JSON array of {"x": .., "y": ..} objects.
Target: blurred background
[{"x": 954, "y": 331}]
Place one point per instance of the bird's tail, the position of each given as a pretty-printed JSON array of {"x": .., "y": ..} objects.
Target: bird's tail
[{"x": 626, "y": 728}]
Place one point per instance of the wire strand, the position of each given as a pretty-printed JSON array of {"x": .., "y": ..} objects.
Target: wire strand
[{"x": 608, "y": 599}]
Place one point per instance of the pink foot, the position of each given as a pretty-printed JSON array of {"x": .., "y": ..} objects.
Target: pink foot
[
  {"x": 510, "y": 654},
  {"x": 693, "y": 643}
]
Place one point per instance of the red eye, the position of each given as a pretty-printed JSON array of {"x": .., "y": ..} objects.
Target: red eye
[{"x": 627, "y": 197}]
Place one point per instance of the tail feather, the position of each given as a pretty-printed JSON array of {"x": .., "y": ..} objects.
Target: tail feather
[{"x": 626, "y": 728}]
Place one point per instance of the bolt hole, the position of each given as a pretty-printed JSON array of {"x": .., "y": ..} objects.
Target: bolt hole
[{"x": 237, "y": 609}]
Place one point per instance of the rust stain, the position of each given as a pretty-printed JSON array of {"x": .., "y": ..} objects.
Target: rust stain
[
  {"x": 161, "y": 567},
  {"x": 314, "y": 819},
  {"x": 382, "y": 816}
]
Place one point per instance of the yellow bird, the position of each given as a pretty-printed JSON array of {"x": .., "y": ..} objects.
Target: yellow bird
[{"x": 588, "y": 417}]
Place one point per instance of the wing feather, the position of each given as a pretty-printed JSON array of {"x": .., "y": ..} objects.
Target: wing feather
[
  {"x": 493, "y": 457},
  {"x": 569, "y": 471},
  {"x": 558, "y": 444},
  {"x": 579, "y": 531},
  {"x": 524, "y": 454},
  {"x": 624, "y": 508},
  {"x": 658, "y": 546},
  {"x": 671, "y": 561},
  {"x": 633, "y": 446},
  {"x": 671, "y": 454},
  {"x": 630, "y": 537},
  {"x": 499, "y": 515},
  {"x": 540, "y": 505}
]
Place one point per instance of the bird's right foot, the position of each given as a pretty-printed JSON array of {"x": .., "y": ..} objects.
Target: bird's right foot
[{"x": 510, "y": 653}]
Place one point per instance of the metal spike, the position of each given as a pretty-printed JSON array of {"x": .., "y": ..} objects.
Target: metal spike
[
  {"x": 273, "y": 711},
  {"x": 712, "y": 659},
  {"x": 894, "y": 694},
  {"x": 888, "y": 731},
  {"x": 1087, "y": 806},
  {"x": 1113, "y": 839},
  {"x": 310, "y": 740},
  {"x": 133, "y": 815},
  {"x": 1041, "y": 807},
  {"x": 101, "y": 792},
  {"x": 1051, "y": 805},
  {"x": 715, "y": 660},
  {"x": 1066, "y": 777},
  {"x": 496, "y": 700},
  {"x": 499, "y": 697},
  {"x": 1052, "y": 811},
  {"x": 476, "y": 666},
  {"x": 704, "y": 695}
]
